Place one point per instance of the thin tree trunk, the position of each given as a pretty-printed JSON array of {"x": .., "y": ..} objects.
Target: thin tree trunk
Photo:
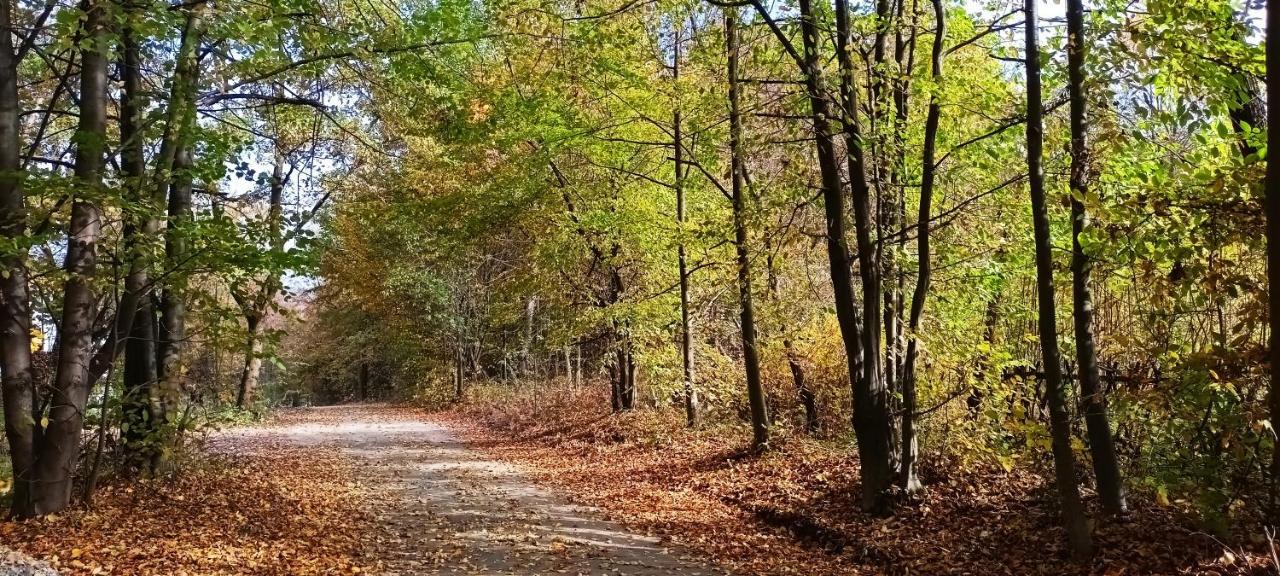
[
  {"x": 990, "y": 319},
  {"x": 15, "y": 319},
  {"x": 1101, "y": 447},
  {"x": 750, "y": 355},
  {"x": 686, "y": 325},
  {"x": 907, "y": 473},
  {"x": 807, "y": 399},
  {"x": 628, "y": 390},
  {"x": 60, "y": 443},
  {"x": 1073, "y": 514},
  {"x": 457, "y": 372},
  {"x": 364, "y": 381}
]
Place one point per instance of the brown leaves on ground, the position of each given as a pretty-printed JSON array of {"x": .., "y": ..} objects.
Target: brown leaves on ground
[
  {"x": 272, "y": 511},
  {"x": 795, "y": 510}
]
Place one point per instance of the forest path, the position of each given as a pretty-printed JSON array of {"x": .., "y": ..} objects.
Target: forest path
[{"x": 448, "y": 509}]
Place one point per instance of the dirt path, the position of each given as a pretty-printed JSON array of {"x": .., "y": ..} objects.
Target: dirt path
[{"x": 446, "y": 509}]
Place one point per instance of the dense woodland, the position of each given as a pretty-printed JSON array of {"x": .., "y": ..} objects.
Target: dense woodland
[{"x": 967, "y": 237}]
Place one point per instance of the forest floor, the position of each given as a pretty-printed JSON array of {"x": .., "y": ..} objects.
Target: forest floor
[
  {"x": 794, "y": 510},
  {"x": 341, "y": 490},
  {"x": 239, "y": 505},
  {"x": 551, "y": 487}
]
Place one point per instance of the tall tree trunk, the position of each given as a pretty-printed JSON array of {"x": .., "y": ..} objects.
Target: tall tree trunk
[
  {"x": 750, "y": 354},
  {"x": 990, "y": 319},
  {"x": 1272, "y": 207},
  {"x": 628, "y": 359},
  {"x": 1101, "y": 447},
  {"x": 364, "y": 381},
  {"x": 873, "y": 441},
  {"x": 872, "y": 423},
  {"x": 1073, "y": 514},
  {"x": 686, "y": 325},
  {"x": 15, "y": 319},
  {"x": 255, "y": 307},
  {"x": 166, "y": 397},
  {"x": 143, "y": 350},
  {"x": 139, "y": 346},
  {"x": 617, "y": 370},
  {"x": 907, "y": 474},
  {"x": 60, "y": 443},
  {"x": 136, "y": 228}
]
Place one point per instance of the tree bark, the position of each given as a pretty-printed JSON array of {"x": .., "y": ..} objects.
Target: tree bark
[
  {"x": 252, "y": 363},
  {"x": 136, "y": 228},
  {"x": 166, "y": 397},
  {"x": 1101, "y": 446},
  {"x": 59, "y": 445},
  {"x": 872, "y": 424},
  {"x": 868, "y": 393},
  {"x": 1073, "y": 514},
  {"x": 364, "y": 381},
  {"x": 686, "y": 325},
  {"x": 139, "y": 346},
  {"x": 255, "y": 307},
  {"x": 458, "y": 372},
  {"x": 907, "y": 474},
  {"x": 144, "y": 351},
  {"x": 15, "y": 319},
  {"x": 1272, "y": 208},
  {"x": 750, "y": 354}
]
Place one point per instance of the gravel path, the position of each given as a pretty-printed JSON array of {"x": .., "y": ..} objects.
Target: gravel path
[{"x": 447, "y": 509}]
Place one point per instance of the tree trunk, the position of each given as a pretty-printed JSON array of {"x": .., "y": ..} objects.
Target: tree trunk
[
  {"x": 807, "y": 399},
  {"x": 990, "y": 319},
  {"x": 686, "y": 325},
  {"x": 15, "y": 320},
  {"x": 871, "y": 404},
  {"x": 59, "y": 445},
  {"x": 1073, "y": 514},
  {"x": 615, "y": 381},
  {"x": 136, "y": 229},
  {"x": 907, "y": 473},
  {"x": 1101, "y": 447},
  {"x": 750, "y": 355},
  {"x": 364, "y": 381},
  {"x": 628, "y": 391},
  {"x": 166, "y": 397},
  {"x": 139, "y": 346},
  {"x": 458, "y": 372},
  {"x": 872, "y": 431},
  {"x": 1272, "y": 207},
  {"x": 252, "y": 363},
  {"x": 152, "y": 377}
]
